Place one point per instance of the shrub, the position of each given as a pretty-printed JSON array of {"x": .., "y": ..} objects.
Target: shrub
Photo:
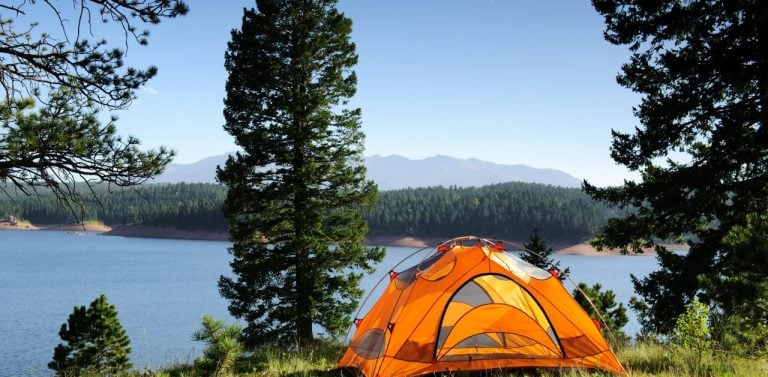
[
  {"x": 691, "y": 330},
  {"x": 94, "y": 342},
  {"x": 223, "y": 346},
  {"x": 739, "y": 335}
]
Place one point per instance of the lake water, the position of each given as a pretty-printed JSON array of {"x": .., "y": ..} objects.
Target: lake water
[{"x": 161, "y": 289}]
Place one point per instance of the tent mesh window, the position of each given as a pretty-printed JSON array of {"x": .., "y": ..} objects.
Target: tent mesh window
[
  {"x": 433, "y": 268},
  {"x": 492, "y": 316},
  {"x": 370, "y": 345}
]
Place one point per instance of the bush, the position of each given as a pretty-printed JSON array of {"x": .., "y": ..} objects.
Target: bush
[
  {"x": 223, "y": 347},
  {"x": 94, "y": 342},
  {"x": 739, "y": 335},
  {"x": 691, "y": 330}
]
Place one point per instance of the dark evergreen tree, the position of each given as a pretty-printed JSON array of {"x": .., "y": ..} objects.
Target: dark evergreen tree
[
  {"x": 543, "y": 255},
  {"x": 740, "y": 290},
  {"x": 52, "y": 81},
  {"x": 94, "y": 342},
  {"x": 297, "y": 188},
  {"x": 702, "y": 146},
  {"x": 605, "y": 307}
]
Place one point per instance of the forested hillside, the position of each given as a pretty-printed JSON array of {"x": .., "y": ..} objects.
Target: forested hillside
[
  {"x": 508, "y": 210},
  {"x": 185, "y": 206}
]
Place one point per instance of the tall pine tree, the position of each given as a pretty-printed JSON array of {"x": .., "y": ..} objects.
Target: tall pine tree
[
  {"x": 702, "y": 147},
  {"x": 297, "y": 189}
]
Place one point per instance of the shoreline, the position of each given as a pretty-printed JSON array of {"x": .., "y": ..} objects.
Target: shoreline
[{"x": 143, "y": 231}]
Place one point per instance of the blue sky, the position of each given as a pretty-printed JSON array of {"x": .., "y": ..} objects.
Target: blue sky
[{"x": 512, "y": 82}]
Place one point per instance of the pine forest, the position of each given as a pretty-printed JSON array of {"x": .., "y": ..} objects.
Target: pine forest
[{"x": 508, "y": 210}]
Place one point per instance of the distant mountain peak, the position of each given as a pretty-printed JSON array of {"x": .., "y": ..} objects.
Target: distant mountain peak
[{"x": 395, "y": 172}]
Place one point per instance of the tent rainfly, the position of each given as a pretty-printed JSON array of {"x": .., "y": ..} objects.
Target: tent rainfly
[{"x": 471, "y": 306}]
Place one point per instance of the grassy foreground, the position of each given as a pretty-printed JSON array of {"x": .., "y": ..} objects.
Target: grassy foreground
[{"x": 639, "y": 360}]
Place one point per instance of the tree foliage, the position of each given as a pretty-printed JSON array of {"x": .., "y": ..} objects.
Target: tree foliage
[
  {"x": 543, "y": 255},
  {"x": 740, "y": 290},
  {"x": 64, "y": 143},
  {"x": 94, "y": 342},
  {"x": 297, "y": 189},
  {"x": 54, "y": 80},
  {"x": 702, "y": 146},
  {"x": 39, "y": 58},
  {"x": 691, "y": 329},
  {"x": 223, "y": 347}
]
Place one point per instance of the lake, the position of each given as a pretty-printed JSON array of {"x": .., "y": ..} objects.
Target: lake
[{"x": 161, "y": 289}]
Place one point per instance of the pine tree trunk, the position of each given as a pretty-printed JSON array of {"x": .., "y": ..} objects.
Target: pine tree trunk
[
  {"x": 303, "y": 266},
  {"x": 304, "y": 317}
]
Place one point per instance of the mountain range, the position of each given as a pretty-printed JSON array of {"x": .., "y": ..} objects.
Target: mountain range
[{"x": 396, "y": 172}]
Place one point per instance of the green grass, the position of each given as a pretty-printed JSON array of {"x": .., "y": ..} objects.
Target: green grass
[
  {"x": 656, "y": 360},
  {"x": 316, "y": 361},
  {"x": 639, "y": 360},
  {"x": 319, "y": 360}
]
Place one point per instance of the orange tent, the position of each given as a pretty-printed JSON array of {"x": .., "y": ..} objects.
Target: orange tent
[{"x": 473, "y": 307}]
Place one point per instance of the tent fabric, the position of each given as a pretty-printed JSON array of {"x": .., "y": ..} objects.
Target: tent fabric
[{"x": 475, "y": 308}]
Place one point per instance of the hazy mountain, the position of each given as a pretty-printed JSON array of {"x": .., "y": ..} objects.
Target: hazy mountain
[
  {"x": 203, "y": 171},
  {"x": 394, "y": 172}
]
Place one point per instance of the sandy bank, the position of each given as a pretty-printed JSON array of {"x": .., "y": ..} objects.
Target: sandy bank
[
  {"x": 23, "y": 225},
  {"x": 99, "y": 228},
  {"x": 583, "y": 248},
  {"x": 402, "y": 241},
  {"x": 587, "y": 249},
  {"x": 140, "y": 231}
]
